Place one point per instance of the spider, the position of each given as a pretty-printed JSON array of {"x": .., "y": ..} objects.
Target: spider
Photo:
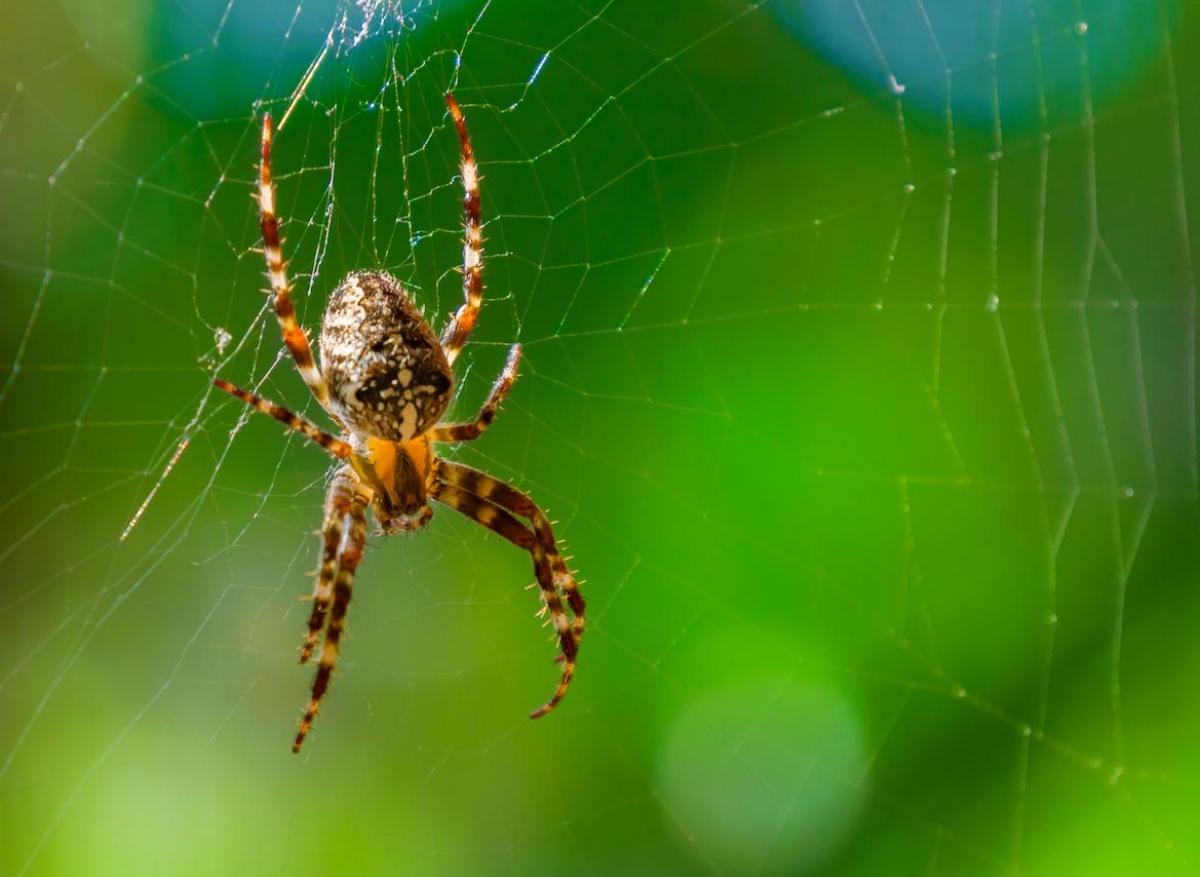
[{"x": 385, "y": 379}]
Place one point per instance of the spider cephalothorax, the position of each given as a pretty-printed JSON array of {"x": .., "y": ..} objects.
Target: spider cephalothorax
[{"x": 386, "y": 379}]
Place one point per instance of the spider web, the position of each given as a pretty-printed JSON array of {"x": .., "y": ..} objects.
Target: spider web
[{"x": 860, "y": 357}]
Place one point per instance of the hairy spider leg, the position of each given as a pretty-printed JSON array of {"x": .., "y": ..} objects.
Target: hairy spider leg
[
  {"x": 335, "y": 446},
  {"x": 459, "y": 329},
  {"x": 293, "y": 421},
  {"x": 465, "y": 432},
  {"x": 338, "y": 499},
  {"x": 510, "y": 499},
  {"x": 489, "y": 502},
  {"x": 293, "y": 336},
  {"x": 349, "y": 557}
]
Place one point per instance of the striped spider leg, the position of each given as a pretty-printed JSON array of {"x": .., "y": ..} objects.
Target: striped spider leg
[
  {"x": 492, "y": 503},
  {"x": 293, "y": 335},
  {"x": 476, "y": 494},
  {"x": 335, "y": 446},
  {"x": 465, "y": 432},
  {"x": 343, "y": 538},
  {"x": 458, "y": 330},
  {"x": 346, "y": 515}
]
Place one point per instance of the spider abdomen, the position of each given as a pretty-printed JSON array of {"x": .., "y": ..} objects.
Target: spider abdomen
[{"x": 387, "y": 373}]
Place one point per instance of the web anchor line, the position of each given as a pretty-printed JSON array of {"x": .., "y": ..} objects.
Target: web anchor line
[
  {"x": 137, "y": 516},
  {"x": 306, "y": 80}
]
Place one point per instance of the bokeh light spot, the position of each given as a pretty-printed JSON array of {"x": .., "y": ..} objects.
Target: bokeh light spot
[
  {"x": 764, "y": 777},
  {"x": 988, "y": 63}
]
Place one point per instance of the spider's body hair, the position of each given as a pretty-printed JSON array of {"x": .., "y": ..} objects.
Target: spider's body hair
[{"x": 387, "y": 374}]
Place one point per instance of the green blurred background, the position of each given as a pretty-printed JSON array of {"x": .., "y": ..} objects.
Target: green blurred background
[{"x": 860, "y": 376}]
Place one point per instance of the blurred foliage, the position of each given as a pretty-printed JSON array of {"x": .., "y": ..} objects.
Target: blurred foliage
[{"x": 869, "y": 417}]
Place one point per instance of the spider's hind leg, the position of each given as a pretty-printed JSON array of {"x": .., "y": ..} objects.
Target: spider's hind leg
[
  {"x": 459, "y": 329},
  {"x": 281, "y": 288}
]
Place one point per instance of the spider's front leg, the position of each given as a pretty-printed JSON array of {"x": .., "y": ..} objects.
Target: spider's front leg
[
  {"x": 493, "y": 503},
  {"x": 353, "y": 539},
  {"x": 338, "y": 499}
]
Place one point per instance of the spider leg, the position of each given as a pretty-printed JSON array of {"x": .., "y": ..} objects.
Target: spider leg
[
  {"x": 335, "y": 446},
  {"x": 459, "y": 329},
  {"x": 465, "y": 432},
  {"x": 337, "y": 504},
  {"x": 293, "y": 336},
  {"x": 349, "y": 557},
  {"x": 332, "y": 444},
  {"x": 489, "y": 502},
  {"x": 510, "y": 499}
]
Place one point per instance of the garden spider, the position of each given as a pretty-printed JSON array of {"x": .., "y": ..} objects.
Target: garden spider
[{"x": 385, "y": 378}]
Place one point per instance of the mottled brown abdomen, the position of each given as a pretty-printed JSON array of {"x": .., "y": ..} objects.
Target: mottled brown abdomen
[{"x": 387, "y": 373}]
